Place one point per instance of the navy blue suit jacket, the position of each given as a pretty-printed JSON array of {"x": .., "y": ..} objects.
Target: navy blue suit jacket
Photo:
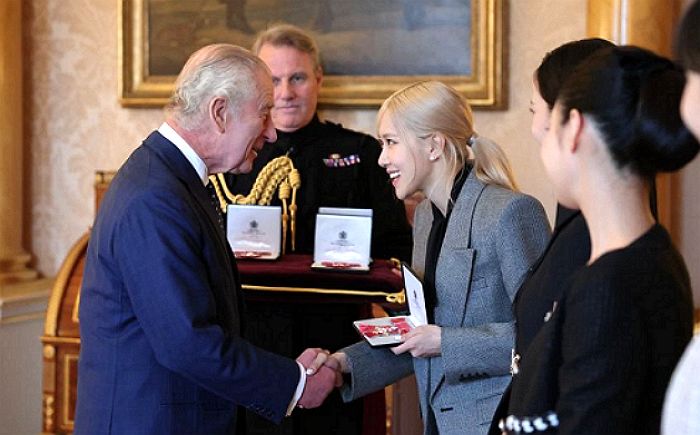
[{"x": 160, "y": 312}]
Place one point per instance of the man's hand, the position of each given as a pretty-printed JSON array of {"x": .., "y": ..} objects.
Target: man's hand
[
  {"x": 321, "y": 376},
  {"x": 423, "y": 341},
  {"x": 312, "y": 359}
]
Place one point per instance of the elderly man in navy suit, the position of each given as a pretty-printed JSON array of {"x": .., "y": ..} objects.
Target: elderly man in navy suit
[{"x": 161, "y": 315}]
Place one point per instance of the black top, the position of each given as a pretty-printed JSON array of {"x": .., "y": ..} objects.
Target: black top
[
  {"x": 434, "y": 245},
  {"x": 338, "y": 168},
  {"x": 568, "y": 250},
  {"x": 603, "y": 360}
]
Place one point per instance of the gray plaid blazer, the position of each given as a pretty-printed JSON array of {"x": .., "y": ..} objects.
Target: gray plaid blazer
[{"x": 493, "y": 236}]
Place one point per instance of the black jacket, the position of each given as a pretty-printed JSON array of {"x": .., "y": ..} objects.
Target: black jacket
[
  {"x": 601, "y": 362},
  {"x": 338, "y": 168}
]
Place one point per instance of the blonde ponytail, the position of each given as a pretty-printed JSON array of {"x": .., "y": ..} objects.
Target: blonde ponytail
[
  {"x": 491, "y": 165},
  {"x": 427, "y": 108}
]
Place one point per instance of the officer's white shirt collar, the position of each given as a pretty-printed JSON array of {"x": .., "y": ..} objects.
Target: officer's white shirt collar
[{"x": 197, "y": 163}]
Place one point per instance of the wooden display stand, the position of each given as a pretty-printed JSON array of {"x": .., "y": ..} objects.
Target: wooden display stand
[{"x": 61, "y": 343}]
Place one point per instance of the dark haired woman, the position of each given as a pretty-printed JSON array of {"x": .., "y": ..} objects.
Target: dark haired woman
[
  {"x": 681, "y": 415},
  {"x": 603, "y": 359},
  {"x": 570, "y": 246}
]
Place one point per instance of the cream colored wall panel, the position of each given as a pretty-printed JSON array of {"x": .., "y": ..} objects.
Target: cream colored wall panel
[
  {"x": 75, "y": 124},
  {"x": 536, "y": 27}
]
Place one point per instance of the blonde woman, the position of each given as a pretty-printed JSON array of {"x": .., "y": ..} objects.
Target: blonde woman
[{"x": 475, "y": 237}]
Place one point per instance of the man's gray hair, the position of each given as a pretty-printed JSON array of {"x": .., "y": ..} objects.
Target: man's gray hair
[{"x": 216, "y": 70}]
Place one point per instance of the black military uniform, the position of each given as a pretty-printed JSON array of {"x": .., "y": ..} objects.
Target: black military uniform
[{"x": 338, "y": 168}]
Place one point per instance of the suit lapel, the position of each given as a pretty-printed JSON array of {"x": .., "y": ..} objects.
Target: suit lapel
[
  {"x": 454, "y": 268},
  {"x": 183, "y": 170},
  {"x": 457, "y": 247}
]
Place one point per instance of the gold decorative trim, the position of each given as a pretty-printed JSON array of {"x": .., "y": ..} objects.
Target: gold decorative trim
[
  {"x": 58, "y": 340},
  {"x": 59, "y": 287},
  {"x": 67, "y": 359},
  {"x": 49, "y": 351},
  {"x": 219, "y": 193},
  {"x": 222, "y": 181},
  {"x": 49, "y": 412},
  {"x": 76, "y": 309},
  {"x": 394, "y": 298}
]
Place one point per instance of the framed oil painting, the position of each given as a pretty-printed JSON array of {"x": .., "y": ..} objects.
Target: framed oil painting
[{"x": 369, "y": 48}]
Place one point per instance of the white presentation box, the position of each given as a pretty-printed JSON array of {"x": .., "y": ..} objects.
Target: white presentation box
[
  {"x": 340, "y": 211},
  {"x": 254, "y": 231},
  {"x": 387, "y": 331},
  {"x": 343, "y": 239}
]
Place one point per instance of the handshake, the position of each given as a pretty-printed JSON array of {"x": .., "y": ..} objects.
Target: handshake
[{"x": 323, "y": 373}]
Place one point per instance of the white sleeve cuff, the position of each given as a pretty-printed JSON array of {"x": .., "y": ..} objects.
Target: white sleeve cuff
[{"x": 299, "y": 390}]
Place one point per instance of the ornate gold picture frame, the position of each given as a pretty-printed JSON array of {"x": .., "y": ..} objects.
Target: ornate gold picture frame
[{"x": 148, "y": 27}]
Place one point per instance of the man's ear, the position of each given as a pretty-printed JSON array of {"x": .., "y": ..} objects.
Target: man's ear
[
  {"x": 573, "y": 130},
  {"x": 319, "y": 76},
  {"x": 218, "y": 112}
]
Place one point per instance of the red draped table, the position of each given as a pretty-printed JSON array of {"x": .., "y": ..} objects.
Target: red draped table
[
  {"x": 293, "y": 277},
  {"x": 290, "y": 280}
]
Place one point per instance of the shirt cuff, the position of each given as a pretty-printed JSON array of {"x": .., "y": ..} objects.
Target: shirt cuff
[{"x": 299, "y": 390}]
